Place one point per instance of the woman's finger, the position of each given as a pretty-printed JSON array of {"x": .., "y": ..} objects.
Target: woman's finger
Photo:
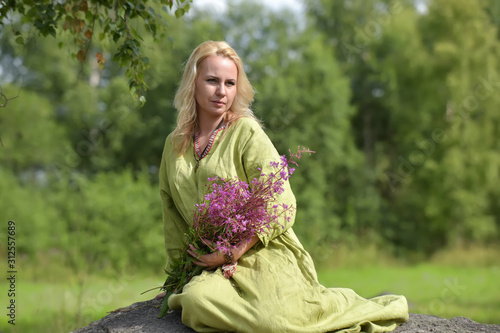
[
  {"x": 200, "y": 263},
  {"x": 197, "y": 257},
  {"x": 193, "y": 254}
]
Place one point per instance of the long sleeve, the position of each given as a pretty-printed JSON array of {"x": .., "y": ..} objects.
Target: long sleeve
[
  {"x": 174, "y": 226},
  {"x": 258, "y": 152}
]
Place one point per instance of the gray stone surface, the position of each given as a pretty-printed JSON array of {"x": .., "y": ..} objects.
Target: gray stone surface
[
  {"x": 421, "y": 323},
  {"x": 138, "y": 317},
  {"x": 143, "y": 318}
]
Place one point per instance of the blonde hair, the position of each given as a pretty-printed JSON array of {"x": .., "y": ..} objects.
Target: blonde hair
[{"x": 185, "y": 102}]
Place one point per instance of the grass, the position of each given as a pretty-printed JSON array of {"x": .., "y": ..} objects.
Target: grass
[
  {"x": 459, "y": 282},
  {"x": 429, "y": 288},
  {"x": 63, "y": 307}
]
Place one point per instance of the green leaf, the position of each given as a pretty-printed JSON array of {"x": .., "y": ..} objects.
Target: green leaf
[
  {"x": 179, "y": 12},
  {"x": 52, "y": 31},
  {"x": 164, "y": 305},
  {"x": 129, "y": 4},
  {"x": 89, "y": 16},
  {"x": 183, "y": 276},
  {"x": 136, "y": 34}
]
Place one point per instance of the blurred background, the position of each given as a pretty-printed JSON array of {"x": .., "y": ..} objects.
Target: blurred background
[{"x": 400, "y": 100}]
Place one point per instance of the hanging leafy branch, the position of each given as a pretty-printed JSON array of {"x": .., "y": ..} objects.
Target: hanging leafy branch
[
  {"x": 4, "y": 99},
  {"x": 80, "y": 17}
]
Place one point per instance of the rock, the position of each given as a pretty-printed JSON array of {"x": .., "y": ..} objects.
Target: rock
[
  {"x": 139, "y": 317},
  {"x": 421, "y": 323},
  {"x": 143, "y": 318}
]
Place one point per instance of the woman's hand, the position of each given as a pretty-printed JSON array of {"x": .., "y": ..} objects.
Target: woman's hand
[
  {"x": 215, "y": 259},
  {"x": 209, "y": 261}
]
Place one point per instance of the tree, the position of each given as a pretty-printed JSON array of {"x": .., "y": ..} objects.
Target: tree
[
  {"x": 424, "y": 92},
  {"x": 465, "y": 50},
  {"x": 29, "y": 133},
  {"x": 109, "y": 20}
]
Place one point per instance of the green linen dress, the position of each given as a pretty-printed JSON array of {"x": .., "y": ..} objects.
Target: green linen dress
[{"x": 275, "y": 287}]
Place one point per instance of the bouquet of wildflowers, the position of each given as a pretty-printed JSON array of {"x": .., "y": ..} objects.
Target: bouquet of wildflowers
[{"x": 232, "y": 212}]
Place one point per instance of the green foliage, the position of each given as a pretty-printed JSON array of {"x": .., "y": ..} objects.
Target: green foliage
[
  {"x": 121, "y": 213},
  {"x": 27, "y": 206},
  {"x": 182, "y": 270},
  {"x": 29, "y": 131},
  {"x": 81, "y": 19},
  {"x": 112, "y": 221}
]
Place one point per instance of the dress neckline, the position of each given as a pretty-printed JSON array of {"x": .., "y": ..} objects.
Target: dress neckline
[{"x": 198, "y": 153}]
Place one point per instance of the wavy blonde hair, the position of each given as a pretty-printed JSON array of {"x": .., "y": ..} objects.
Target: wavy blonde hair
[{"x": 185, "y": 103}]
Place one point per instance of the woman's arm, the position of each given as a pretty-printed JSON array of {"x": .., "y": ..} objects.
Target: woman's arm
[
  {"x": 215, "y": 259},
  {"x": 257, "y": 154},
  {"x": 174, "y": 226}
]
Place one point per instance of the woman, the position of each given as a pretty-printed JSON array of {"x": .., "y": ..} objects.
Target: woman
[{"x": 275, "y": 287}]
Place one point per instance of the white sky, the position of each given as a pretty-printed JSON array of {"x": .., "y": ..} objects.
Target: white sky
[
  {"x": 295, "y": 5},
  {"x": 220, "y": 5}
]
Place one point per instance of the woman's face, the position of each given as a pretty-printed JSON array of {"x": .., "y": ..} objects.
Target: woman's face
[{"x": 215, "y": 86}]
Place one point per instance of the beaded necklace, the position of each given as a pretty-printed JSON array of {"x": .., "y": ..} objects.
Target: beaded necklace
[{"x": 198, "y": 154}]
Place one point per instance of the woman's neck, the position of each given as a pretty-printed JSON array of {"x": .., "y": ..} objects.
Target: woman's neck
[{"x": 206, "y": 126}]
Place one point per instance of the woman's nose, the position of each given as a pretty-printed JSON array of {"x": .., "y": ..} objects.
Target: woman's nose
[{"x": 221, "y": 90}]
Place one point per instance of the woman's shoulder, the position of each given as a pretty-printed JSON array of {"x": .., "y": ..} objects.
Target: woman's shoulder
[
  {"x": 247, "y": 125},
  {"x": 248, "y": 132},
  {"x": 168, "y": 146},
  {"x": 168, "y": 140}
]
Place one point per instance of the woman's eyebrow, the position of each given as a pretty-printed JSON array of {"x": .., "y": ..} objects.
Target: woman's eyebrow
[{"x": 216, "y": 77}]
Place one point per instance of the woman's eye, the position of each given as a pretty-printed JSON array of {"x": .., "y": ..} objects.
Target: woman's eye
[
  {"x": 211, "y": 80},
  {"x": 231, "y": 83}
]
